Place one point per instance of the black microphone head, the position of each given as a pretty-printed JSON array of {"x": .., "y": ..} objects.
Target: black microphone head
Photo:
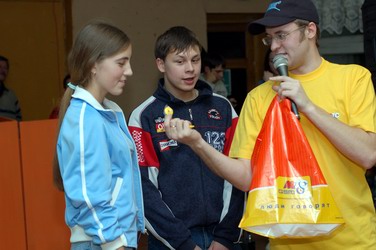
[{"x": 280, "y": 64}]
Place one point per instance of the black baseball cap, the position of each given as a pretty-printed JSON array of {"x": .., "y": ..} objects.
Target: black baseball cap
[{"x": 283, "y": 12}]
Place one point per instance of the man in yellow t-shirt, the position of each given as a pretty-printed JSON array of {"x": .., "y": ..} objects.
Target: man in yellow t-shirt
[
  {"x": 337, "y": 107},
  {"x": 347, "y": 95}
]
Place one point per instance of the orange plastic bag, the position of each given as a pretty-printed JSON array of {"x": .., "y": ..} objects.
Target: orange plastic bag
[{"x": 289, "y": 196}]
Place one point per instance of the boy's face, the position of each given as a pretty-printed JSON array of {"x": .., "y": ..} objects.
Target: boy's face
[{"x": 181, "y": 72}]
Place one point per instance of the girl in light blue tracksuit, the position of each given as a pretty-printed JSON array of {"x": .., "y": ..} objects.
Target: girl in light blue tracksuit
[{"x": 96, "y": 160}]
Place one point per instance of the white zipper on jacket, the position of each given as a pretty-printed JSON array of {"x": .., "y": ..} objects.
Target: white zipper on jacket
[{"x": 190, "y": 114}]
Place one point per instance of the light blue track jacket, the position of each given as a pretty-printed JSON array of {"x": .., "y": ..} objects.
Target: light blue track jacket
[{"x": 99, "y": 167}]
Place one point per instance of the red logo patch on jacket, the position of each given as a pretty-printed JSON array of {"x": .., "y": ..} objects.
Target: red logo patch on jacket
[
  {"x": 159, "y": 125},
  {"x": 214, "y": 114}
]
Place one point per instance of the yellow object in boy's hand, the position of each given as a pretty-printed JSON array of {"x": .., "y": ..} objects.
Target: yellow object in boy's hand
[{"x": 168, "y": 110}]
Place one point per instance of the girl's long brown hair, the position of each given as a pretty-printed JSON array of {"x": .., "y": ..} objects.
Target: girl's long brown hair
[{"x": 95, "y": 42}]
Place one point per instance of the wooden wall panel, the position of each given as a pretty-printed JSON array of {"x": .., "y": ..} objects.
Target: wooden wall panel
[
  {"x": 12, "y": 220},
  {"x": 44, "y": 204}
]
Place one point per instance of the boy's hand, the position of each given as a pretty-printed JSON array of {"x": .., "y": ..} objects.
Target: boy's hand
[{"x": 180, "y": 130}]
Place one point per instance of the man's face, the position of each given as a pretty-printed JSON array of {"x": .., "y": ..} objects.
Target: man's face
[
  {"x": 3, "y": 70},
  {"x": 217, "y": 73},
  {"x": 294, "y": 45}
]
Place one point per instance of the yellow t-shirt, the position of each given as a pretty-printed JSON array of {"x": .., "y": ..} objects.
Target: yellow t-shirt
[{"x": 346, "y": 93}]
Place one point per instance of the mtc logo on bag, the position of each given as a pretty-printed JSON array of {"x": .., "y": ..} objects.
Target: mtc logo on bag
[{"x": 294, "y": 187}]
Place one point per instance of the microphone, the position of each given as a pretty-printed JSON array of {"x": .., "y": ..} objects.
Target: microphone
[{"x": 280, "y": 64}]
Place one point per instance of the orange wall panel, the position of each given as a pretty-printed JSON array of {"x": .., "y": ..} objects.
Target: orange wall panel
[
  {"x": 12, "y": 219},
  {"x": 44, "y": 204}
]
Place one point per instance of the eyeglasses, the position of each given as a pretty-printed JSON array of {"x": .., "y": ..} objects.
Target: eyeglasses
[{"x": 280, "y": 37}]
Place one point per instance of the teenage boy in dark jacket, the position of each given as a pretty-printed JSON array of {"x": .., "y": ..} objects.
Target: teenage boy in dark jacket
[{"x": 186, "y": 205}]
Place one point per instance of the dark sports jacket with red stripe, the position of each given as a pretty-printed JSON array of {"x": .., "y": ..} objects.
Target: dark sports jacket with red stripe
[{"x": 180, "y": 192}]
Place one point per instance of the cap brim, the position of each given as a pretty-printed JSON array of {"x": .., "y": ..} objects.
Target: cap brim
[{"x": 258, "y": 26}]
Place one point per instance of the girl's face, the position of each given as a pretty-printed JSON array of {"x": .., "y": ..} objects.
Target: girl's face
[
  {"x": 181, "y": 72},
  {"x": 110, "y": 74}
]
